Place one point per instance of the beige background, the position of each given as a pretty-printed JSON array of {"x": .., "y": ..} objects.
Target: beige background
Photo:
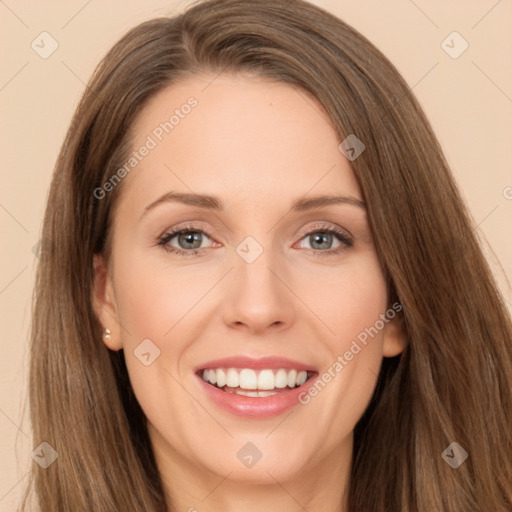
[{"x": 467, "y": 99}]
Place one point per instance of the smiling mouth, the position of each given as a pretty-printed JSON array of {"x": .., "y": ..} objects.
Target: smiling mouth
[{"x": 255, "y": 383}]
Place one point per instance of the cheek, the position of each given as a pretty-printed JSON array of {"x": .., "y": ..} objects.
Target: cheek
[
  {"x": 348, "y": 300},
  {"x": 157, "y": 304},
  {"x": 351, "y": 305},
  {"x": 152, "y": 300}
]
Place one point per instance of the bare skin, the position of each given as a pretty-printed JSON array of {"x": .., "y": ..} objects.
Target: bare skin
[{"x": 258, "y": 146}]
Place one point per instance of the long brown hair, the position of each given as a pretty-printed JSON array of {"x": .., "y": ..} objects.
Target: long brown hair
[{"x": 453, "y": 383}]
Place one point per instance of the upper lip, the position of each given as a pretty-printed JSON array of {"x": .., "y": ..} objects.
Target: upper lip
[{"x": 270, "y": 362}]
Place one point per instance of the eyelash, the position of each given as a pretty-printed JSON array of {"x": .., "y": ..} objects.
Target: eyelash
[{"x": 167, "y": 237}]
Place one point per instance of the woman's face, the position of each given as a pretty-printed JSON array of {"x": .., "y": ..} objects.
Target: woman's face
[{"x": 262, "y": 272}]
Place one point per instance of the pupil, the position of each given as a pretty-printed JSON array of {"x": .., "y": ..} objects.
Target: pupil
[
  {"x": 189, "y": 238},
  {"x": 318, "y": 238}
]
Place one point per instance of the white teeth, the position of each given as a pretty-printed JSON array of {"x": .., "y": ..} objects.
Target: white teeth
[
  {"x": 246, "y": 393},
  {"x": 266, "y": 379},
  {"x": 221, "y": 377},
  {"x": 281, "y": 378},
  {"x": 301, "y": 378},
  {"x": 292, "y": 378},
  {"x": 248, "y": 379},
  {"x": 266, "y": 393},
  {"x": 255, "y": 394},
  {"x": 232, "y": 378},
  {"x": 259, "y": 381}
]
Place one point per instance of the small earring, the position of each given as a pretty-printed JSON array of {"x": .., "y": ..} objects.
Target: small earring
[{"x": 106, "y": 334}]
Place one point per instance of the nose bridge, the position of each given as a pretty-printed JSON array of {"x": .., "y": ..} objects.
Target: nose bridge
[{"x": 256, "y": 296}]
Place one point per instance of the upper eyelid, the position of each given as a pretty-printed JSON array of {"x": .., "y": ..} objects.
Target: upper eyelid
[{"x": 327, "y": 225}]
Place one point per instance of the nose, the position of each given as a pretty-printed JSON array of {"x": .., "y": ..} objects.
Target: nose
[{"x": 259, "y": 297}]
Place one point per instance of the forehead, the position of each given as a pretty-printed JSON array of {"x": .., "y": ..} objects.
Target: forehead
[{"x": 237, "y": 137}]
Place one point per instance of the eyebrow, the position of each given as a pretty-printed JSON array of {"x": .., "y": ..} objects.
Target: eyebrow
[{"x": 214, "y": 203}]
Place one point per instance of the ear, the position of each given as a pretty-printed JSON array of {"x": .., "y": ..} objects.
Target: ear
[
  {"x": 395, "y": 338},
  {"x": 104, "y": 303}
]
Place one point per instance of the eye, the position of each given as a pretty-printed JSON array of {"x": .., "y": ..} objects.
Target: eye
[
  {"x": 189, "y": 240},
  {"x": 322, "y": 238}
]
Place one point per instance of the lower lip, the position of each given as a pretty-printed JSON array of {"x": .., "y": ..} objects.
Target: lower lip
[{"x": 256, "y": 407}]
